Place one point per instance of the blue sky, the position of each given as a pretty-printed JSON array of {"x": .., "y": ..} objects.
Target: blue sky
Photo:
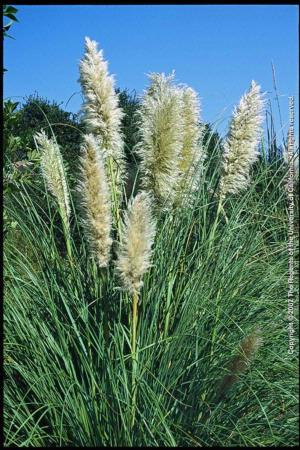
[{"x": 216, "y": 49}]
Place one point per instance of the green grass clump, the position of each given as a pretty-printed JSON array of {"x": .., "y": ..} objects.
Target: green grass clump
[{"x": 211, "y": 286}]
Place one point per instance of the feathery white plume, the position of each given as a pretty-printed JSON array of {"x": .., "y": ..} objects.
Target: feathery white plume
[
  {"x": 192, "y": 152},
  {"x": 160, "y": 138},
  {"x": 102, "y": 114},
  {"x": 138, "y": 232},
  {"x": 54, "y": 173},
  {"x": 95, "y": 201},
  {"x": 240, "y": 147}
]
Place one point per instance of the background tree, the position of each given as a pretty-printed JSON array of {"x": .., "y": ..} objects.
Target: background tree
[{"x": 9, "y": 12}]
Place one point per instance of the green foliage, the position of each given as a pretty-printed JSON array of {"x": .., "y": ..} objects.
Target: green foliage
[
  {"x": 38, "y": 113},
  {"x": 67, "y": 327},
  {"x": 20, "y": 162},
  {"x": 130, "y": 105},
  {"x": 9, "y": 12},
  {"x": 212, "y": 142},
  {"x": 11, "y": 142}
]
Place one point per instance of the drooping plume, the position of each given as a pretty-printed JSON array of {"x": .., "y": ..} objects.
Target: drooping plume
[
  {"x": 160, "y": 138},
  {"x": 102, "y": 114},
  {"x": 240, "y": 147},
  {"x": 96, "y": 202},
  {"x": 54, "y": 173},
  {"x": 241, "y": 361},
  {"x": 136, "y": 240},
  {"x": 192, "y": 152}
]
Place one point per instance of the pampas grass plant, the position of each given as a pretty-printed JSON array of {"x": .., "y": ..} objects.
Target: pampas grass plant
[
  {"x": 134, "y": 260},
  {"x": 55, "y": 178},
  {"x": 151, "y": 365},
  {"x": 240, "y": 149}
]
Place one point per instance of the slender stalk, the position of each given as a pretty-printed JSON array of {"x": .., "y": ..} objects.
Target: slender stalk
[
  {"x": 67, "y": 239},
  {"x": 136, "y": 239},
  {"x": 135, "y": 299}
]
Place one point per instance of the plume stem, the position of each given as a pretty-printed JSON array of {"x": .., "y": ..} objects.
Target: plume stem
[
  {"x": 67, "y": 240},
  {"x": 135, "y": 299},
  {"x": 55, "y": 180}
]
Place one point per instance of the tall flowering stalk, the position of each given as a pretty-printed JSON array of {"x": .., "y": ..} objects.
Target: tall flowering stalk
[
  {"x": 54, "y": 174},
  {"x": 96, "y": 201},
  {"x": 240, "y": 147},
  {"x": 136, "y": 240},
  {"x": 160, "y": 143},
  {"x": 103, "y": 116},
  {"x": 192, "y": 152}
]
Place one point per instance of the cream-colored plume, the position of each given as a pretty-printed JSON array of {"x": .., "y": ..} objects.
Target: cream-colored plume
[
  {"x": 192, "y": 152},
  {"x": 54, "y": 173},
  {"x": 102, "y": 114},
  {"x": 95, "y": 201},
  {"x": 137, "y": 237},
  {"x": 160, "y": 138},
  {"x": 240, "y": 147}
]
